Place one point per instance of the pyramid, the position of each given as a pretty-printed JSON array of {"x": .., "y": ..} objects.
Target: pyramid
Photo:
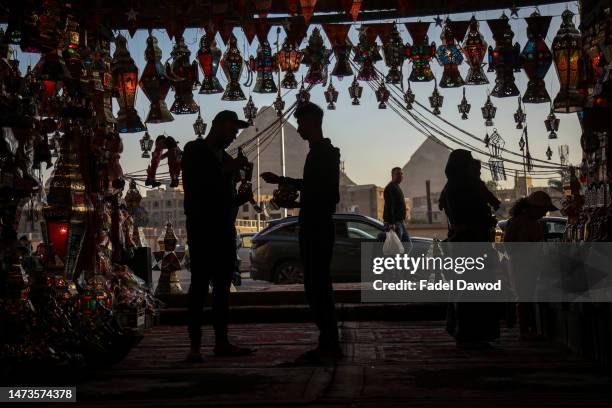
[{"x": 426, "y": 163}]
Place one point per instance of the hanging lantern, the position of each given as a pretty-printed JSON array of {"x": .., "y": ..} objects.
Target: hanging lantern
[
  {"x": 366, "y": 54},
  {"x": 536, "y": 58},
  {"x": 72, "y": 57},
  {"x": 279, "y": 104},
  {"x": 307, "y": 9},
  {"x": 146, "y": 144},
  {"x": 208, "y": 57},
  {"x": 51, "y": 71},
  {"x": 67, "y": 207},
  {"x": 420, "y": 53},
  {"x": 250, "y": 111},
  {"x": 289, "y": 60},
  {"x": 487, "y": 139},
  {"x": 382, "y": 96},
  {"x": 355, "y": 91},
  {"x": 155, "y": 84},
  {"x": 436, "y": 100},
  {"x": 199, "y": 127},
  {"x": 449, "y": 56},
  {"x": 488, "y": 111},
  {"x": 568, "y": 57},
  {"x": 316, "y": 57},
  {"x": 103, "y": 84},
  {"x": 552, "y": 124},
  {"x": 182, "y": 74},
  {"x": 549, "y": 153},
  {"x": 464, "y": 107},
  {"x": 125, "y": 82},
  {"x": 394, "y": 52},
  {"x": 496, "y": 144},
  {"x": 341, "y": 45},
  {"x": 519, "y": 115},
  {"x": 264, "y": 65},
  {"x": 232, "y": 65},
  {"x": 504, "y": 58},
  {"x": 302, "y": 95},
  {"x": 409, "y": 97},
  {"x": 331, "y": 96},
  {"x": 522, "y": 142},
  {"x": 474, "y": 49}
]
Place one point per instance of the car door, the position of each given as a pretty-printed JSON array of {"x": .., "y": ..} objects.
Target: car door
[{"x": 349, "y": 248}]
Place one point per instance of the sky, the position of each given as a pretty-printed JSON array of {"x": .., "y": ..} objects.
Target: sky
[{"x": 371, "y": 141}]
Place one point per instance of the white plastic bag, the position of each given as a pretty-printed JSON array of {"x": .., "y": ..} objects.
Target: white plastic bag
[{"x": 392, "y": 245}]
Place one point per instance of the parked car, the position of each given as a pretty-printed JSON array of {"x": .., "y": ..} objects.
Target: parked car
[
  {"x": 554, "y": 228},
  {"x": 275, "y": 254},
  {"x": 244, "y": 250}
]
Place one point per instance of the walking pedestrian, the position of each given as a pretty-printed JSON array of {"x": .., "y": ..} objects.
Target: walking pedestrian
[{"x": 394, "y": 213}]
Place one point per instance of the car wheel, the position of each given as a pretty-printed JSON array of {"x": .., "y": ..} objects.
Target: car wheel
[{"x": 289, "y": 272}]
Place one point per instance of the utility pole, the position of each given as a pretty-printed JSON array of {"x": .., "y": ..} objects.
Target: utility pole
[
  {"x": 428, "y": 192},
  {"x": 258, "y": 187}
]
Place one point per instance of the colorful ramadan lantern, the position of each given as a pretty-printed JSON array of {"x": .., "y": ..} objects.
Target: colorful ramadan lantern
[
  {"x": 366, "y": 54},
  {"x": 464, "y": 107},
  {"x": 103, "y": 84},
  {"x": 232, "y": 65},
  {"x": 67, "y": 207},
  {"x": 51, "y": 71},
  {"x": 355, "y": 91},
  {"x": 316, "y": 57},
  {"x": 568, "y": 57},
  {"x": 250, "y": 111},
  {"x": 449, "y": 56},
  {"x": 504, "y": 58},
  {"x": 420, "y": 53},
  {"x": 208, "y": 57},
  {"x": 155, "y": 84},
  {"x": 199, "y": 127},
  {"x": 279, "y": 104},
  {"x": 337, "y": 35},
  {"x": 264, "y": 64},
  {"x": 169, "y": 263},
  {"x": 146, "y": 144},
  {"x": 488, "y": 111},
  {"x": 536, "y": 58},
  {"x": 183, "y": 75},
  {"x": 394, "y": 52},
  {"x": 125, "y": 82},
  {"x": 289, "y": 60},
  {"x": 331, "y": 96},
  {"x": 474, "y": 49}
]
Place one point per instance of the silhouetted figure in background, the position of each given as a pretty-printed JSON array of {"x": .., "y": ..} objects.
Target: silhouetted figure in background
[
  {"x": 394, "y": 213},
  {"x": 525, "y": 225},
  {"x": 319, "y": 195},
  {"x": 211, "y": 205},
  {"x": 472, "y": 325}
]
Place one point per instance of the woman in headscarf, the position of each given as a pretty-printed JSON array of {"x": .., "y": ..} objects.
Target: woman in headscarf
[{"x": 472, "y": 325}]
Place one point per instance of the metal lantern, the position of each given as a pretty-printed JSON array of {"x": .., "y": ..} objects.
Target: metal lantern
[
  {"x": 504, "y": 58},
  {"x": 264, "y": 65},
  {"x": 199, "y": 127},
  {"x": 341, "y": 46},
  {"x": 488, "y": 111},
  {"x": 496, "y": 144},
  {"x": 155, "y": 84},
  {"x": 146, "y": 144},
  {"x": 279, "y": 104},
  {"x": 409, "y": 97},
  {"x": 331, "y": 96},
  {"x": 420, "y": 53},
  {"x": 250, "y": 111},
  {"x": 449, "y": 56},
  {"x": 552, "y": 124},
  {"x": 568, "y": 57},
  {"x": 103, "y": 84},
  {"x": 209, "y": 57},
  {"x": 549, "y": 153},
  {"x": 355, "y": 91},
  {"x": 303, "y": 95},
  {"x": 232, "y": 65},
  {"x": 536, "y": 59},
  {"x": 51, "y": 71},
  {"x": 519, "y": 116},
  {"x": 475, "y": 49},
  {"x": 125, "y": 82},
  {"x": 382, "y": 96},
  {"x": 464, "y": 107},
  {"x": 289, "y": 60},
  {"x": 436, "y": 100},
  {"x": 394, "y": 52},
  {"x": 182, "y": 74},
  {"x": 316, "y": 57}
]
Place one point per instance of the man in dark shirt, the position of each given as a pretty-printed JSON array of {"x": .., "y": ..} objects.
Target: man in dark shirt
[
  {"x": 211, "y": 205},
  {"x": 394, "y": 213},
  {"x": 319, "y": 195}
]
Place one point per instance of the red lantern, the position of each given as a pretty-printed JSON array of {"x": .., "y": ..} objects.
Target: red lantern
[
  {"x": 57, "y": 233},
  {"x": 289, "y": 59},
  {"x": 183, "y": 75},
  {"x": 568, "y": 57}
]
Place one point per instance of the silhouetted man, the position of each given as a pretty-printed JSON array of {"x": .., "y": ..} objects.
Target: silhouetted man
[
  {"x": 394, "y": 213},
  {"x": 318, "y": 198},
  {"x": 211, "y": 205}
]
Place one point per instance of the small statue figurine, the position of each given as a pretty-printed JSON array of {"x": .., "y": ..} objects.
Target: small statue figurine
[
  {"x": 156, "y": 156},
  {"x": 173, "y": 154}
]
